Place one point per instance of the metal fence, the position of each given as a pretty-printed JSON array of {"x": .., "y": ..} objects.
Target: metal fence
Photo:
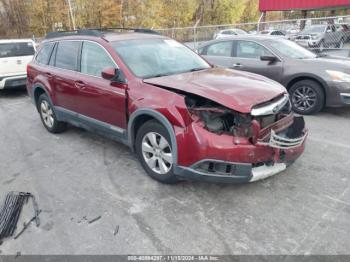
[{"x": 319, "y": 34}]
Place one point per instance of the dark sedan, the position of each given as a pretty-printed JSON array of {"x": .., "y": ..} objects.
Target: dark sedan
[{"x": 313, "y": 81}]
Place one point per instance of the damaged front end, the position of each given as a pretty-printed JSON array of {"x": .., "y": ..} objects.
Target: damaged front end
[
  {"x": 263, "y": 142},
  {"x": 271, "y": 124}
]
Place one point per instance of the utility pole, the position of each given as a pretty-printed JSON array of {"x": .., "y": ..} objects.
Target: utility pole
[{"x": 71, "y": 14}]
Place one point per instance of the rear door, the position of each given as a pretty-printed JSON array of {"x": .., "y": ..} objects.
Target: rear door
[
  {"x": 247, "y": 58},
  {"x": 100, "y": 99},
  {"x": 219, "y": 53},
  {"x": 66, "y": 73},
  {"x": 14, "y": 57}
]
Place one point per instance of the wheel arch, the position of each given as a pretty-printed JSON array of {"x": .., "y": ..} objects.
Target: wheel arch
[
  {"x": 314, "y": 78},
  {"x": 38, "y": 90},
  {"x": 141, "y": 116}
]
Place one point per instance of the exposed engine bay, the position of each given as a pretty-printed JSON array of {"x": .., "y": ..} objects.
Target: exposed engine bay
[
  {"x": 217, "y": 118},
  {"x": 221, "y": 120}
]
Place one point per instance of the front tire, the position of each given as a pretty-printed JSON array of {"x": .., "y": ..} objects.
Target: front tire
[
  {"x": 307, "y": 97},
  {"x": 48, "y": 116},
  {"x": 153, "y": 148}
]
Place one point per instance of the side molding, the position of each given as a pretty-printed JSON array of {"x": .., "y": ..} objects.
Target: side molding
[{"x": 158, "y": 116}]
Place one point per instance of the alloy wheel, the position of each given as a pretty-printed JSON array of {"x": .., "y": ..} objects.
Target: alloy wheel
[
  {"x": 157, "y": 153},
  {"x": 304, "y": 98},
  {"x": 47, "y": 114}
]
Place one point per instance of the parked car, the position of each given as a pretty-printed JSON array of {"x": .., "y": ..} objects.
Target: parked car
[
  {"x": 14, "y": 56},
  {"x": 229, "y": 32},
  {"x": 184, "y": 118},
  {"x": 313, "y": 81},
  {"x": 345, "y": 31},
  {"x": 273, "y": 32},
  {"x": 320, "y": 37}
]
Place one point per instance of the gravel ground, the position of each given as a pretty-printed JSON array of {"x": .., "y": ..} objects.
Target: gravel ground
[{"x": 78, "y": 176}]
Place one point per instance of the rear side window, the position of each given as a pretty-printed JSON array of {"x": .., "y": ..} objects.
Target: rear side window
[
  {"x": 67, "y": 55},
  {"x": 44, "y": 54},
  {"x": 94, "y": 59},
  {"x": 220, "y": 49},
  {"x": 252, "y": 50},
  {"x": 16, "y": 49}
]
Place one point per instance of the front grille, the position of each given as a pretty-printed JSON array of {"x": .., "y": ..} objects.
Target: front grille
[
  {"x": 282, "y": 142},
  {"x": 291, "y": 137}
]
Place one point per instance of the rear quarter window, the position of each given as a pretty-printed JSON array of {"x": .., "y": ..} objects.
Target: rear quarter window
[
  {"x": 44, "y": 53},
  {"x": 16, "y": 49}
]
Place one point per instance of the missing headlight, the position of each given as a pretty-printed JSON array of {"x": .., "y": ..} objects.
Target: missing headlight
[{"x": 217, "y": 118}]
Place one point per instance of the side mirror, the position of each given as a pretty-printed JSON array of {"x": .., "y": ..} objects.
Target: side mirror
[
  {"x": 109, "y": 73},
  {"x": 113, "y": 74},
  {"x": 268, "y": 58},
  {"x": 329, "y": 31}
]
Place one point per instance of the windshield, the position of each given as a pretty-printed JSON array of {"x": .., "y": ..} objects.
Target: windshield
[
  {"x": 149, "y": 58},
  {"x": 16, "y": 49},
  {"x": 291, "y": 49},
  {"x": 314, "y": 29},
  {"x": 240, "y": 32}
]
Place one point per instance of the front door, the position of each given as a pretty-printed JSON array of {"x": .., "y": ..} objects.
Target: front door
[
  {"x": 246, "y": 57},
  {"x": 99, "y": 99}
]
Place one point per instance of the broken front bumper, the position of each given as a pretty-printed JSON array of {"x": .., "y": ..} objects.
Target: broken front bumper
[{"x": 278, "y": 146}]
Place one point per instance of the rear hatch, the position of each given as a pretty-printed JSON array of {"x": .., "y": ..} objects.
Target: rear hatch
[{"x": 14, "y": 57}]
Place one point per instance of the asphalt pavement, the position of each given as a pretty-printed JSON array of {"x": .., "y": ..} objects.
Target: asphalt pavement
[{"x": 79, "y": 177}]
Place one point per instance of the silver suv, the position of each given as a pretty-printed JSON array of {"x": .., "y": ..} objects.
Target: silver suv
[{"x": 321, "y": 37}]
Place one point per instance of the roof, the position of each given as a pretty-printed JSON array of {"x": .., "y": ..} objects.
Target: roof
[
  {"x": 279, "y": 5},
  {"x": 111, "y": 37},
  {"x": 245, "y": 37},
  {"x": 108, "y": 34},
  {"x": 3, "y": 41}
]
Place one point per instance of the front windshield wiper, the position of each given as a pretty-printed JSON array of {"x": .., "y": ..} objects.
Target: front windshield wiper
[
  {"x": 321, "y": 55},
  {"x": 197, "y": 69},
  {"x": 159, "y": 75}
]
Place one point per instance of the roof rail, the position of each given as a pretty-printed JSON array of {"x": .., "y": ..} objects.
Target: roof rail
[{"x": 99, "y": 32}]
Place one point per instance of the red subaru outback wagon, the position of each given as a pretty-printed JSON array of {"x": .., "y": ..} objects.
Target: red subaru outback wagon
[{"x": 184, "y": 118}]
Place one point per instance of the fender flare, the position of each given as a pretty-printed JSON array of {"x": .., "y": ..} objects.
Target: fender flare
[
  {"x": 158, "y": 116},
  {"x": 35, "y": 87}
]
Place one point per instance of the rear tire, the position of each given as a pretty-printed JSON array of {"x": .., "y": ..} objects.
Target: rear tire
[
  {"x": 153, "y": 148},
  {"x": 307, "y": 97},
  {"x": 48, "y": 116},
  {"x": 321, "y": 46},
  {"x": 340, "y": 44}
]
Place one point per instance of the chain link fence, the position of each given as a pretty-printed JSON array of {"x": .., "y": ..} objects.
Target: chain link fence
[{"x": 324, "y": 34}]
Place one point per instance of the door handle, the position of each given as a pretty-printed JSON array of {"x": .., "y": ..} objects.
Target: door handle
[
  {"x": 237, "y": 65},
  {"x": 79, "y": 84}
]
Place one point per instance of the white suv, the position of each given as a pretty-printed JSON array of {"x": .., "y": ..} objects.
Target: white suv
[{"x": 14, "y": 56}]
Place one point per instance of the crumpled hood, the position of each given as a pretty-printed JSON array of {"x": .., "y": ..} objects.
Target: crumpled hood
[{"x": 237, "y": 90}]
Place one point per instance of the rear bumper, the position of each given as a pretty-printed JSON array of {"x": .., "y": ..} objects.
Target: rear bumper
[
  {"x": 269, "y": 156},
  {"x": 7, "y": 82}
]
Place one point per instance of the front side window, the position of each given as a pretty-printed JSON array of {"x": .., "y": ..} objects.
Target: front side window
[
  {"x": 94, "y": 59},
  {"x": 291, "y": 49},
  {"x": 220, "y": 49},
  {"x": 148, "y": 58},
  {"x": 67, "y": 55},
  {"x": 16, "y": 49},
  {"x": 252, "y": 50},
  {"x": 44, "y": 53},
  {"x": 228, "y": 32}
]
